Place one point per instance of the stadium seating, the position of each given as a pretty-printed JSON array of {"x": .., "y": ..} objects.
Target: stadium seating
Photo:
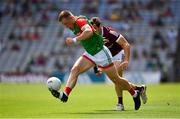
[{"x": 40, "y": 33}]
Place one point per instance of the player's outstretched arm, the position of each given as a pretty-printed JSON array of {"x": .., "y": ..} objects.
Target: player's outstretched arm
[
  {"x": 87, "y": 32},
  {"x": 126, "y": 47}
]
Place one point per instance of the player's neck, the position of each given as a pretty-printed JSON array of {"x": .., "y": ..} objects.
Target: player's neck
[{"x": 101, "y": 30}]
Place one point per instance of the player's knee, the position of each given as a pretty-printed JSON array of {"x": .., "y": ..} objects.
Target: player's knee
[
  {"x": 115, "y": 82},
  {"x": 116, "y": 77}
]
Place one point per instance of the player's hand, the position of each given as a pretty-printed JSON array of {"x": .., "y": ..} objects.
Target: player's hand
[
  {"x": 99, "y": 72},
  {"x": 105, "y": 40},
  {"x": 54, "y": 93},
  {"x": 69, "y": 41},
  {"x": 124, "y": 65}
]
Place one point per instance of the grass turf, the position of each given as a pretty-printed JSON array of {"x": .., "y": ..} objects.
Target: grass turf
[{"x": 86, "y": 101}]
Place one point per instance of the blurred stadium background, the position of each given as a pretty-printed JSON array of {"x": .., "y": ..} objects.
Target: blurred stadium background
[{"x": 32, "y": 41}]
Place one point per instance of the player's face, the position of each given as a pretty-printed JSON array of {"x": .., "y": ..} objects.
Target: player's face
[
  {"x": 98, "y": 29},
  {"x": 68, "y": 23}
]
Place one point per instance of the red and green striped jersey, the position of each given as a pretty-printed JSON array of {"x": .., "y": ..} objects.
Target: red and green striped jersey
[{"x": 92, "y": 44}]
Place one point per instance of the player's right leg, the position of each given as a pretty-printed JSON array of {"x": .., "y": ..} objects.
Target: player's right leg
[
  {"x": 113, "y": 75},
  {"x": 104, "y": 60},
  {"x": 140, "y": 88},
  {"x": 80, "y": 66}
]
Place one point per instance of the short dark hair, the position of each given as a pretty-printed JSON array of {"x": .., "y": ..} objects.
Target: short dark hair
[
  {"x": 96, "y": 21},
  {"x": 64, "y": 14}
]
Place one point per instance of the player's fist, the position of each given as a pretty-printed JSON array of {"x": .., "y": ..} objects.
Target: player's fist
[
  {"x": 105, "y": 40},
  {"x": 69, "y": 41},
  {"x": 97, "y": 71}
]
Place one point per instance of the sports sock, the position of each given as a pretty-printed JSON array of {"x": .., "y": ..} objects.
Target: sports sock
[
  {"x": 120, "y": 100},
  {"x": 139, "y": 88},
  {"x": 67, "y": 90},
  {"x": 132, "y": 92}
]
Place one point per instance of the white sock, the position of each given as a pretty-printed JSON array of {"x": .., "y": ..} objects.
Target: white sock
[
  {"x": 61, "y": 94},
  {"x": 135, "y": 94}
]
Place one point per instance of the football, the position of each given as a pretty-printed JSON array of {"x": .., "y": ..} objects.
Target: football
[{"x": 54, "y": 83}]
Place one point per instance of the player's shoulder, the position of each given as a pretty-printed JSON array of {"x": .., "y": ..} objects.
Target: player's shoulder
[
  {"x": 111, "y": 30},
  {"x": 81, "y": 19},
  {"x": 81, "y": 22}
]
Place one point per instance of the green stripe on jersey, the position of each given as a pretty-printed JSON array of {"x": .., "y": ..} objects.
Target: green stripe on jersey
[{"x": 108, "y": 56}]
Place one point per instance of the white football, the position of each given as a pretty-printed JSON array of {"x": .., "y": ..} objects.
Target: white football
[{"x": 54, "y": 83}]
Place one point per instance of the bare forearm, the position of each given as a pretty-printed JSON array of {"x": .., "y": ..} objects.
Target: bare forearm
[
  {"x": 126, "y": 47},
  {"x": 84, "y": 35},
  {"x": 126, "y": 52}
]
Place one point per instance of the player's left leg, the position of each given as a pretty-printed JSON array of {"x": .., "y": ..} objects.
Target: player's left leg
[
  {"x": 120, "y": 105},
  {"x": 142, "y": 89},
  {"x": 80, "y": 66},
  {"x": 104, "y": 61},
  {"x": 113, "y": 75}
]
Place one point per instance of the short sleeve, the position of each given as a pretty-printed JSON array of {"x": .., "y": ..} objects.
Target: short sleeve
[
  {"x": 114, "y": 33},
  {"x": 81, "y": 22}
]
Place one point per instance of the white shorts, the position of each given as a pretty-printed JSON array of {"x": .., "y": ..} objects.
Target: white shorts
[
  {"x": 119, "y": 56},
  {"x": 102, "y": 59}
]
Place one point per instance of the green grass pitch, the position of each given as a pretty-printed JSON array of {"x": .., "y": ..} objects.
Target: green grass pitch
[{"x": 86, "y": 101}]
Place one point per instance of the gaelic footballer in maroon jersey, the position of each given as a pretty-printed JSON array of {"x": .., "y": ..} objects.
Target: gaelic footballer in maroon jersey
[
  {"x": 116, "y": 43},
  {"x": 120, "y": 50},
  {"x": 111, "y": 36}
]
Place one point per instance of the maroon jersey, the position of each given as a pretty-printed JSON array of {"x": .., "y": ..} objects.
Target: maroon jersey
[{"x": 111, "y": 35}]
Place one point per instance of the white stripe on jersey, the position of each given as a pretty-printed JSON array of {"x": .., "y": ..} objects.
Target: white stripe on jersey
[{"x": 114, "y": 33}]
